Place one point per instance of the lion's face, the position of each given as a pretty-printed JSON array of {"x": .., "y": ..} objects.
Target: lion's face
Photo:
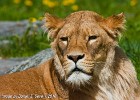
[
  {"x": 79, "y": 47},
  {"x": 81, "y": 42}
]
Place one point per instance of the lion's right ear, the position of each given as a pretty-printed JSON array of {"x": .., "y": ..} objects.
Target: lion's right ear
[
  {"x": 114, "y": 25},
  {"x": 52, "y": 25}
]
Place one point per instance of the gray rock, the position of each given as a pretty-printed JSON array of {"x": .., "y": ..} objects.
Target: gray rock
[
  {"x": 8, "y": 28},
  {"x": 32, "y": 61},
  {"x": 6, "y": 64}
]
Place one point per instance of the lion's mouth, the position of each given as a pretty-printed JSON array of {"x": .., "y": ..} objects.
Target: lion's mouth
[{"x": 78, "y": 70}]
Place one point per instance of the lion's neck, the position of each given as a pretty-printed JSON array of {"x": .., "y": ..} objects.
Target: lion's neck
[
  {"x": 79, "y": 95},
  {"x": 118, "y": 86},
  {"x": 117, "y": 79}
]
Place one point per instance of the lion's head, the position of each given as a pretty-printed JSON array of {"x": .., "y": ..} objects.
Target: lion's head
[{"x": 81, "y": 42}]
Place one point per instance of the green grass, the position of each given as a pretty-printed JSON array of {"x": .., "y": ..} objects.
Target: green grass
[
  {"x": 29, "y": 44},
  {"x": 24, "y": 46}
]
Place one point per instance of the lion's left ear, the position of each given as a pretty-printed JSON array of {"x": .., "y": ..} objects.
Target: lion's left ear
[
  {"x": 52, "y": 25},
  {"x": 114, "y": 25}
]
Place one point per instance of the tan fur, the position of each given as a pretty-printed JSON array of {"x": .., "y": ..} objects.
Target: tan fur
[{"x": 87, "y": 41}]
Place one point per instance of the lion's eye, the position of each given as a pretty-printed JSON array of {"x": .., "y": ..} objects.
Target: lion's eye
[
  {"x": 92, "y": 38},
  {"x": 64, "y": 38}
]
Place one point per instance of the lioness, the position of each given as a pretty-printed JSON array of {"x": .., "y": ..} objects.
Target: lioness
[{"x": 88, "y": 63}]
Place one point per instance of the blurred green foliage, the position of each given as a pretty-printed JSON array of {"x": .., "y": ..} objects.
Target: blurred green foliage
[{"x": 29, "y": 44}]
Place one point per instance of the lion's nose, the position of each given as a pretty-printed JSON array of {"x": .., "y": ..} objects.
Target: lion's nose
[{"x": 75, "y": 58}]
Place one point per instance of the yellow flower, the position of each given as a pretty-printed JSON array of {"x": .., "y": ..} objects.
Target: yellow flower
[
  {"x": 71, "y": 1},
  {"x": 16, "y": 1},
  {"x": 133, "y": 2},
  {"x": 74, "y": 7},
  {"x": 32, "y": 19},
  {"x": 40, "y": 18},
  {"x": 68, "y": 2},
  {"x": 28, "y": 2},
  {"x": 65, "y": 3},
  {"x": 50, "y": 3},
  {"x": 45, "y": 2}
]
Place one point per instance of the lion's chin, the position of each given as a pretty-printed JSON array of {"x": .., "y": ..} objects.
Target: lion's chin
[{"x": 78, "y": 78}]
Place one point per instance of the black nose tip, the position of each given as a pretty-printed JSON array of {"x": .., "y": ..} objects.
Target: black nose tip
[{"x": 75, "y": 58}]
